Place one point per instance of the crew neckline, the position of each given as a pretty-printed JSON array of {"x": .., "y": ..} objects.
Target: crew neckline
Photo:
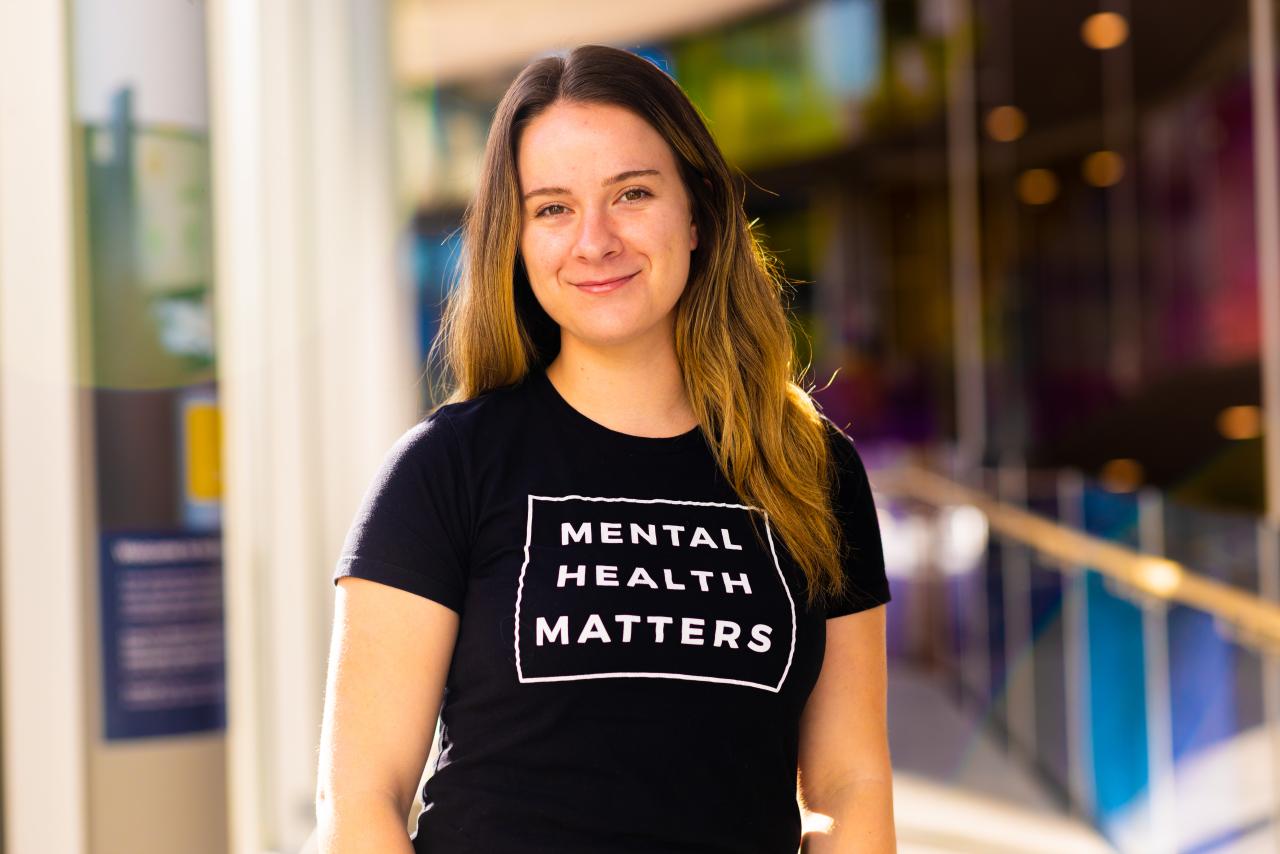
[{"x": 686, "y": 441}]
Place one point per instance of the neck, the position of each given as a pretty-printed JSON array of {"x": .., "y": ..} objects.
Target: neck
[{"x": 640, "y": 393}]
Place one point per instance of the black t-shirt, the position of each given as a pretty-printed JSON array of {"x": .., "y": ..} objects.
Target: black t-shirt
[{"x": 631, "y": 661}]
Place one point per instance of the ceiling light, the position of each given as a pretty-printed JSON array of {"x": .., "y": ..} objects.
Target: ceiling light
[
  {"x": 1103, "y": 168},
  {"x": 1240, "y": 422},
  {"x": 1006, "y": 123},
  {"x": 1121, "y": 475},
  {"x": 1104, "y": 30},
  {"x": 1037, "y": 186}
]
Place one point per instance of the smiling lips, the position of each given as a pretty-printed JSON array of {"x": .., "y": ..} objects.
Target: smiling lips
[{"x": 603, "y": 286}]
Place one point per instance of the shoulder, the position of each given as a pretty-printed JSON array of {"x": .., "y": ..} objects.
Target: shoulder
[
  {"x": 844, "y": 451},
  {"x": 854, "y": 506},
  {"x": 453, "y": 426},
  {"x": 850, "y": 483}
]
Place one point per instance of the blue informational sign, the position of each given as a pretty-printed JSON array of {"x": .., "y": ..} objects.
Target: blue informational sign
[{"x": 163, "y": 661}]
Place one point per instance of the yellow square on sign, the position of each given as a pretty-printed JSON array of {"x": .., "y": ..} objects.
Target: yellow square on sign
[{"x": 204, "y": 451}]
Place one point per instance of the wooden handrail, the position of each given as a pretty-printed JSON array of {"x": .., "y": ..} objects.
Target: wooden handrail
[{"x": 1252, "y": 621}]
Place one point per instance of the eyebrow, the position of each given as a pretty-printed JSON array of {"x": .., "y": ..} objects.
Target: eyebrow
[{"x": 607, "y": 182}]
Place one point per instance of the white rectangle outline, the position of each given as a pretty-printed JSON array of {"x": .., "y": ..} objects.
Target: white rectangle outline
[{"x": 624, "y": 674}]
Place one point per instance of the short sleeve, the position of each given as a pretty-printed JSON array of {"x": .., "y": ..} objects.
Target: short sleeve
[
  {"x": 866, "y": 584},
  {"x": 412, "y": 528}
]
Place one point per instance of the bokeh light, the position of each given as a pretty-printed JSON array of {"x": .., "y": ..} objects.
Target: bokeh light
[
  {"x": 1240, "y": 422},
  {"x": 1037, "y": 186},
  {"x": 1006, "y": 123},
  {"x": 1103, "y": 168},
  {"x": 1104, "y": 30},
  {"x": 1122, "y": 475}
]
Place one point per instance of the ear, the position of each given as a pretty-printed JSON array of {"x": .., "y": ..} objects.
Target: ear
[{"x": 693, "y": 235}]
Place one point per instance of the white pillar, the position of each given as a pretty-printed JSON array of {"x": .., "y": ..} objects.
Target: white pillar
[
  {"x": 43, "y": 538},
  {"x": 1075, "y": 645},
  {"x": 1266, "y": 159},
  {"x": 1162, "y": 803},
  {"x": 1020, "y": 632},
  {"x": 317, "y": 348}
]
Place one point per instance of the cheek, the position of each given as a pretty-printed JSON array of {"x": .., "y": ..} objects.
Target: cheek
[
  {"x": 534, "y": 256},
  {"x": 543, "y": 254},
  {"x": 678, "y": 250}
]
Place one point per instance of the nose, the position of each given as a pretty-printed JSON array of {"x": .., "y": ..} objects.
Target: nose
[{"x": 598, "y": 238}]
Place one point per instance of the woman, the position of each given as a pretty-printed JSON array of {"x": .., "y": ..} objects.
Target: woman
[{"x": 620, "y": 548}]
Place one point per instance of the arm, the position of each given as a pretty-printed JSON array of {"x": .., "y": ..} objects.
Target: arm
[
  {"x": 387, "y": 665},
  {"x": 845, "y": 773}
]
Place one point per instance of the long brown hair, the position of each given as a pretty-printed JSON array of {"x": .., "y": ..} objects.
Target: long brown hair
[{"x": 733, "y": 344}]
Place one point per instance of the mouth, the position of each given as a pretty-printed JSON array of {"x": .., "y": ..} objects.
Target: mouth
[{"x": 602, "y": 286}]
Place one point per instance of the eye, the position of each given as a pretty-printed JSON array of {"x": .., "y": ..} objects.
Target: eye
[
  {"x": 635, "y": 194},
  {"x": 555, "y": 209}
]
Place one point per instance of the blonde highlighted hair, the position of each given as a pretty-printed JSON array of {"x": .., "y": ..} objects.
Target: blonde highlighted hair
[{"x": 733, "y": 344}]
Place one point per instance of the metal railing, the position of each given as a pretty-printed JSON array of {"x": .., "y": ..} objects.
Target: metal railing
[{"x": 1124, "y": 645}]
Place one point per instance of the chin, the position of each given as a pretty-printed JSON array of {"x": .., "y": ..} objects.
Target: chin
[
  {"x": 602, "y": 341},
  {"x": 601, "y": 336}
]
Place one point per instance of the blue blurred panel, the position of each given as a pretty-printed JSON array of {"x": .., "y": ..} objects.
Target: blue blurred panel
[
  {"x": 1202, "y": 679},
  {"x": 1110, "y": 515},
  {"x": 1216, "y": 685},
  {"x": 1117, "y": 686},
  {"x": 435, "y": 256},
  {"x": 845, "y": 46},
  {"x": 1118, "y": 709},
  {"x": 658, "y": 55}
]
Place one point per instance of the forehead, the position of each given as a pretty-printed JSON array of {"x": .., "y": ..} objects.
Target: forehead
[{"x": 570, "y": 141}]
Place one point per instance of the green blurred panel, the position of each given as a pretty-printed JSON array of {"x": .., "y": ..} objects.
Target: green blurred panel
[
  {"x": 776, "y": 89},
  {"x": 811, "y": 80},
  {"x": 759, "y": 91},
  {"x": 172, "y": 193},
  {"x": 149, "y": 264}
]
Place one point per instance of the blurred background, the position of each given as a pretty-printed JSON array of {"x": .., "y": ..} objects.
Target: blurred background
[{"x": 1034, "y": 261}]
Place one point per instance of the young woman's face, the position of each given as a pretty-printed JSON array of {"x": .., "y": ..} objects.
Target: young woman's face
[{"x": 607, "y": 227}]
